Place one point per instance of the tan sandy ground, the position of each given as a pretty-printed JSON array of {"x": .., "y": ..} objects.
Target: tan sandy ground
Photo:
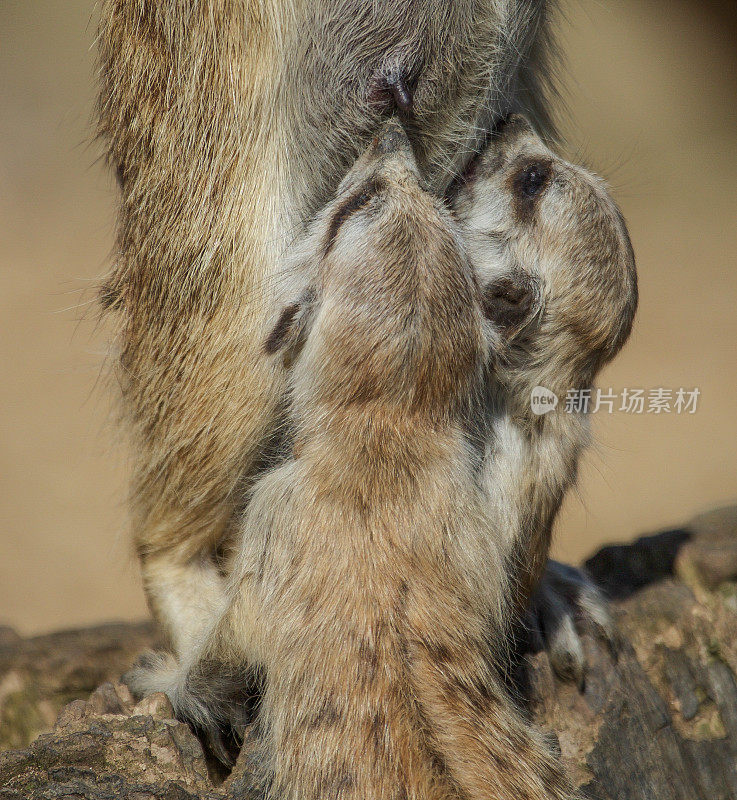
[{"x": 652, "y": 90}]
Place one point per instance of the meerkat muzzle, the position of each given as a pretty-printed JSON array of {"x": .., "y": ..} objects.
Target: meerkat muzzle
[{"x": 393, "y": 139}]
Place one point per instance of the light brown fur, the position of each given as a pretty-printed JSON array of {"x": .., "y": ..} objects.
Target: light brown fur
[
  {"x": 229, "y": 122},
  {"x": 370, "y": 588}
]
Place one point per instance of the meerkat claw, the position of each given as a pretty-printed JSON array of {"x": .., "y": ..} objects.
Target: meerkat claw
[
  {"x": 160, "y": 672},
  {"x": 215, "y": 742}
]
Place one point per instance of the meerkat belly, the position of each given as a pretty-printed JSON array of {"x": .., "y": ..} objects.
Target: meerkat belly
[{"x": 351, "y": 588}]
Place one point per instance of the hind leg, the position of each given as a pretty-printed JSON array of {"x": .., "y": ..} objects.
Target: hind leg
[
  {"x": 488, "y": 748},
  {"x": 183, "y": 594},
  {"x": 199, "y": 428}
]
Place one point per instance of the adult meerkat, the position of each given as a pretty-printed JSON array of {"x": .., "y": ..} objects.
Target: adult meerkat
[
  {"x": 552, "y": 253},
  {"x": 229, "y": 122},
  {"x": 370, "y": 587}
]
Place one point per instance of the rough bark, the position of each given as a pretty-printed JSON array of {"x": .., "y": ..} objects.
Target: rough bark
[{"x": 657, "y": 720}]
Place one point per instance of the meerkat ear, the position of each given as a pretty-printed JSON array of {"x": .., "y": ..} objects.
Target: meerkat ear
[
  {"x": 509, "y": 301},
  {"x": 290, "y": 330}
]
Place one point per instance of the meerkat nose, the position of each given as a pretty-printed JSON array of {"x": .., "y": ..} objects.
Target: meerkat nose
[{"x": 393, "y": 139}]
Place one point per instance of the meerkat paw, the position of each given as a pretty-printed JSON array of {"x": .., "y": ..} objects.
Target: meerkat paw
[
  {"x": 152, "y": 672},
  {"x": 161, "y": 672},
  {"x": 567, "y": 602}
]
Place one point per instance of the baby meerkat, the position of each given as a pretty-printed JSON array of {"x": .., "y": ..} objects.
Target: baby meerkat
[
  {"x": 370, "y": 589},
  {"x": 553, "y": 256}
]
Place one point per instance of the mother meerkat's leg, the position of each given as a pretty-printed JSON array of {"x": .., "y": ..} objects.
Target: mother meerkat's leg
[
  {"x": 186, "y": 105},
  {"x": 212, "y": 685}
]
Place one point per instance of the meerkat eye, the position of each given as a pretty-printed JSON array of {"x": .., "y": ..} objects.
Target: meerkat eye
[{"x": 533, "y": 179}]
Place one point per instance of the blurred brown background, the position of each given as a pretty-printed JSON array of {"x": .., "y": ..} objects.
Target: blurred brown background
[{"x": 651, "y": 94}]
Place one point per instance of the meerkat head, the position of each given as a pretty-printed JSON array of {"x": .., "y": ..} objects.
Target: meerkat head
[
  {"x": 391, "y": 312},
  {"x": 552, "y": 254}
]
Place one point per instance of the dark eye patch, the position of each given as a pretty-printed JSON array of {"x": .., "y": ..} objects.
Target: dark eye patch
[
  {"x": 529, "y": 182},
  {"x": 356, "y": 201},
  {"x": 291, "y": 327},
  {"x": 508, "y": 301},
  {"x": 275, "y": 340}
]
